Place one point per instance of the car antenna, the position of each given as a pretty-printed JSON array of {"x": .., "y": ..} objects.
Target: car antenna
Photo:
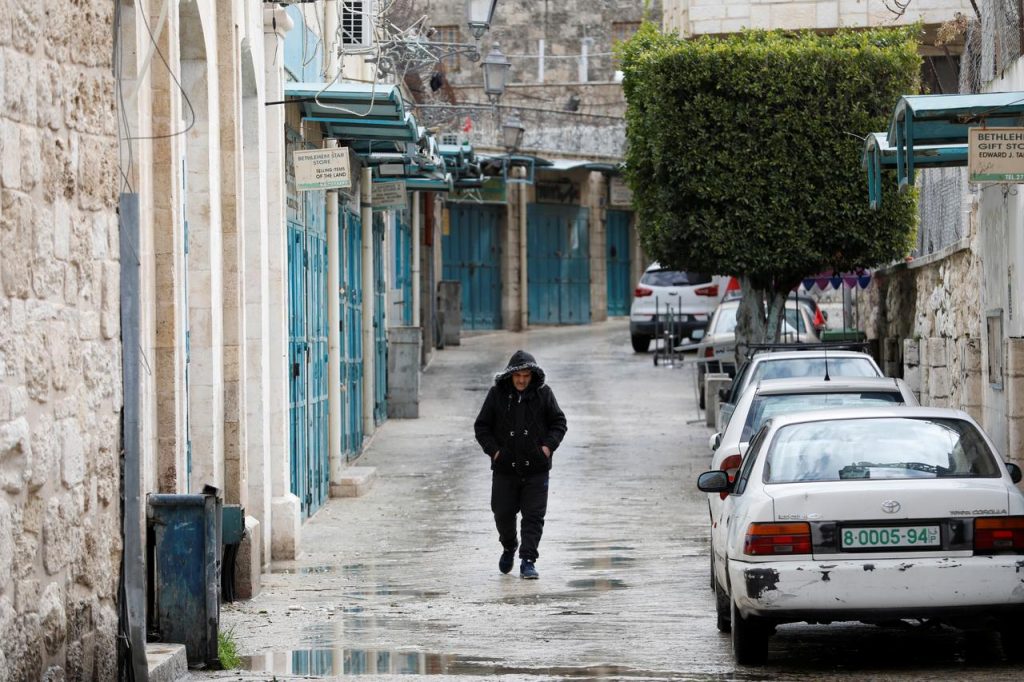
[{"x": 827, "y": 377}]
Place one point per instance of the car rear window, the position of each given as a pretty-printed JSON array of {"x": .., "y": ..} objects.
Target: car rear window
[
  {"x": 725, "y": 321},
  {"x": 673, "y": 278},
  {"x": 764, "y": 407},
  {"x": 813, "y": 367},
  {"x": 879, "y": 448}
]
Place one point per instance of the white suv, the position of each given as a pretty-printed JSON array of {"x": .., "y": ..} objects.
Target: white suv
[{"x": 672, "y": 300}]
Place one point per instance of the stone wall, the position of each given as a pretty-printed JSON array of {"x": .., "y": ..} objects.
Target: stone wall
[
  {"x": 698, "y": 17},
  {"x": 60, "y": 374}
]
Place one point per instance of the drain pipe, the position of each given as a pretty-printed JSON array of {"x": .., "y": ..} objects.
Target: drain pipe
[
  {"x": 334, "y": 408},
  {"x": 369, "y": 351},
  {"x": 416, "y": 230}
]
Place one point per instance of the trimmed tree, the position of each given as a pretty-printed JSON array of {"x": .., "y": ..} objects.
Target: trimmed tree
[{"x": 744, "y": 156}]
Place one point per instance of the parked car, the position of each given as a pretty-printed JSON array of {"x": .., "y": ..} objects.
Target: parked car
[
  {"x": 874, "y": 514},
  {"x": 776, "y": 397},
  {"x": 673, "y": 300},
  {"x": 716, "y": 351},
  {"x": 801, "y": 361}
]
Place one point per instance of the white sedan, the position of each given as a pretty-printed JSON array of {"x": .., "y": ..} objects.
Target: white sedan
[{"x": 871, "y": 514}]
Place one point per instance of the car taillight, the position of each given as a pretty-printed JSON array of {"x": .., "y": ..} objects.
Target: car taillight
[
  {"x": 999, "y": 534},
  {"x": 731, "y": 466},
  {"x": 640, "y": 292},
  {"x": 707, "y": 291},
  {"x": 777, "y": 538},
  {"x": 709, "y": 352}
]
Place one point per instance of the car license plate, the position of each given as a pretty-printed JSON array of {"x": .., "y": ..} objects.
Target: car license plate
[{"x": 888, "y": 537}]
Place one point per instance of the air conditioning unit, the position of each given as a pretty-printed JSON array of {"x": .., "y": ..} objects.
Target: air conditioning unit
[{"x": 357, "y": 23}]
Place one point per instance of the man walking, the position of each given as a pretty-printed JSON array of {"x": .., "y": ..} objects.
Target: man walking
[{"x": 519, "y": 427}]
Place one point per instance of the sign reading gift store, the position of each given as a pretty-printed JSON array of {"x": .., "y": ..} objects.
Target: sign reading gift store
[{"x": 995, "y": 155}]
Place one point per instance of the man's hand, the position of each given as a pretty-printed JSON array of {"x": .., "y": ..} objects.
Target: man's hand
[{"x": 547, "y": 451}]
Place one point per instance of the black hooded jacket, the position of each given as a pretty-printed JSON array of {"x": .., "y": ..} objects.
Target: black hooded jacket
[{"x": 518, "y": 424}]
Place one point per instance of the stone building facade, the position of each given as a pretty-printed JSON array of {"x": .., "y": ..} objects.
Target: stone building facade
[
  {"x": 702, "y": 17},
  {"x": 60, "y": 372}
]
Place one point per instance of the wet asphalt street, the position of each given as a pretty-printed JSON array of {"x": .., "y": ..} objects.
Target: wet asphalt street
[{"x": 404, "y": 580}]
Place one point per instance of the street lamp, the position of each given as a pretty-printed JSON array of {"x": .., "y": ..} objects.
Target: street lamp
[
  {"x": 496, "y": 67},
  {"x": 512, "y": 133},
  {"x": 478, "y": 15}
]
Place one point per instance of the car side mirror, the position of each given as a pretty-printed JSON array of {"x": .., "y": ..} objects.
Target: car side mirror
[
  {"x": 715, "y": 441},
  {"x": 714, "y": 482},
  {"x": 1015, "y": 473}
]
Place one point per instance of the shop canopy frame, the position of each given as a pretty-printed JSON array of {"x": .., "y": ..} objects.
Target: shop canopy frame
[
  {"x": 879, "y": 155},
  {"x": 944, "y": 120}
]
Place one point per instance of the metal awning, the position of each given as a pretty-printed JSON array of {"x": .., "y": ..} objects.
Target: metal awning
[
  {"x": 356, "y": 111},
  {"x": 879, "y": 155},
  {"x": 945, "y": 120}
]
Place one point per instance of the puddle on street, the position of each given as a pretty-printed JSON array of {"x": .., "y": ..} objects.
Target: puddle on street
[
  {"x": 598, "y": 584},
  {"x": 604, "y": 562},
  {"x": 316, "y": 570},
  {"x": 344, "y": 661}
]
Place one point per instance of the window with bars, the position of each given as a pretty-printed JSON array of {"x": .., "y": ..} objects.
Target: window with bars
[{"x": 448, "y": 34}]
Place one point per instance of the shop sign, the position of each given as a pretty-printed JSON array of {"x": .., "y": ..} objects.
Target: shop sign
[
  {"x": 995, "y": 154},
  {"x": 317, "y": 169},
  {"x": 621, "y": 196},
  {"x": 390, "y": 194}
]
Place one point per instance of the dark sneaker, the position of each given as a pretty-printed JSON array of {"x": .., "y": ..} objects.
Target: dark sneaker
[
  {"x": 508, "y": 557},
  {"x": 527, "y": 571}
]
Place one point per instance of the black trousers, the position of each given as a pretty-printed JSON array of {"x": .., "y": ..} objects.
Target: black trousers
[{"x": 512, "y": 494}]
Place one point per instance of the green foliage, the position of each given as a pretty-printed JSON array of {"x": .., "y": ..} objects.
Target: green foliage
[
  {"x": 227, "y": 651},
  {"x": 744, "y": 152}
]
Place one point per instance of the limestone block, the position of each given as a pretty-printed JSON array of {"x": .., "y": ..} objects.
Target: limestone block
[
  {"x": 62, "y": 537},
  {"x": 6, "y": 554},
  {"x": 166, "y": 662},
  {"x": 52, "y": 618},
  {"x": 971, "y": 394},
  {"x": 1015, "y": 357},
  {"x": 54, "y": 673},
  {"x": 1015, "y": 439},
  {"x": 249, "y": 560},
  {"x": 73, "y": 453},
  {"x": 24, "y": 648},
  {"x": 15, "y": 243},
  {"x": 828, "y": 14},
  {"x": 286, "y": 527},
  {"x": 26, "y": 596},
  {"x": 937, "y": 352},
  {"x": 31, "y": 168},
  {"x": 10, "y": 165},
  {"x": 1014, "y": 387},
  {"x": 938, "y": 383},
  {"x": 15, "y": 449},
  {"x": 355, "y": 482},
  {"x": 970, "y": 350},
  {"x": 938, "y": 402}
]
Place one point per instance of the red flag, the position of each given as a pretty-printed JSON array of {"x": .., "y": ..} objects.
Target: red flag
[{"x": 467, "y": 125}]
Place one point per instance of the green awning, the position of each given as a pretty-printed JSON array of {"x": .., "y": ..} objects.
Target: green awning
[
  {"x": 945, "y": 120},
  {"x": 356, "y": 111},
  {"x": 879, "y": 155}
]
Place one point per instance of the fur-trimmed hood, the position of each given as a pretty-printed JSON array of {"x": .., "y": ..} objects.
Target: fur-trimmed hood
[{"x": 521, "y": 360}]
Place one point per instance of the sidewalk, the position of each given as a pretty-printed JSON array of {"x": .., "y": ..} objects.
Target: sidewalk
[{"x": 405, "y": 579}]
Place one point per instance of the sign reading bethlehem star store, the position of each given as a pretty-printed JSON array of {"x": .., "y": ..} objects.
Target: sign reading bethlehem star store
[
  {"x": 322, "y": 169},
  {"x": 995, "y": 155}
]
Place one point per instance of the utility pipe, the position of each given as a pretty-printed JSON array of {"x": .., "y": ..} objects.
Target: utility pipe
[
  {"x": 524, "y": 315},
  {"x": 369, "y": 351},
  {"x": 416, "y": 230}
]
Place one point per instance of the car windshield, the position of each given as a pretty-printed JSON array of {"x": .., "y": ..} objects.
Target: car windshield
[
  {"x": 673, "y": 278},
  {"x": 787, "y": 368},
  {"x": 764, "y": 407},
  {"x": 878, "y": 448}
]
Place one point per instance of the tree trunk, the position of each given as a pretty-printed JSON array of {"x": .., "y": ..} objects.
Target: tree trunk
[{"x": 759, "y": 317}]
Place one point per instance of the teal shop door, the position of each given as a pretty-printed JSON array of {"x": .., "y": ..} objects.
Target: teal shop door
[
  {"x": 352, "y": 335},
  {"x": 471, "y": 255},
  {"x": 380, "y": 332},
  {"x": 620, "y": 288},
  {"x": 402, "y": 264},
  {"x": 558, "y": 264},
  {"x": 307, "y": 344}
]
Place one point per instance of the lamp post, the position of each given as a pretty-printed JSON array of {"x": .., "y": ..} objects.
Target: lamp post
[
  {"x": 496, "y": 67},
  {"x": 479, "y": 14},
  {"x": 512, "y": 133}
]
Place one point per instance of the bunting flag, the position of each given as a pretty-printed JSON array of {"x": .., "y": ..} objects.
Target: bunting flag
[{"x": 851, "y": 280}]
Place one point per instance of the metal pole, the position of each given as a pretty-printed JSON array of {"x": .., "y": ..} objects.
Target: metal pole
[
  {"x": 524, "y": 290},
  {"x": 133, "y": 528},
  {"x": 334, "y": 331},
  {"x": 369, "y": 357},
  {"x": 417, "y": 294}
]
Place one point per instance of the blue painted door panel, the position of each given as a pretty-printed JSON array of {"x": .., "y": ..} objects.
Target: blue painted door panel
[
  {"x": 620, "y": 287},
  {"x": 402, "y": 258},
  {"x": 352, "y": 338},
  {"x": 472, "y": 255},
  {"x": 558, "y": 264},
  {"x": 380, "y": 334}
]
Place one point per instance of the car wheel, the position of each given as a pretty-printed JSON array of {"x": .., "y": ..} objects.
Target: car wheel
[
  {"x": 749, "y": 637},
  {"x": 640, "y": 343},
  {"x": 723, "y": 618}
]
